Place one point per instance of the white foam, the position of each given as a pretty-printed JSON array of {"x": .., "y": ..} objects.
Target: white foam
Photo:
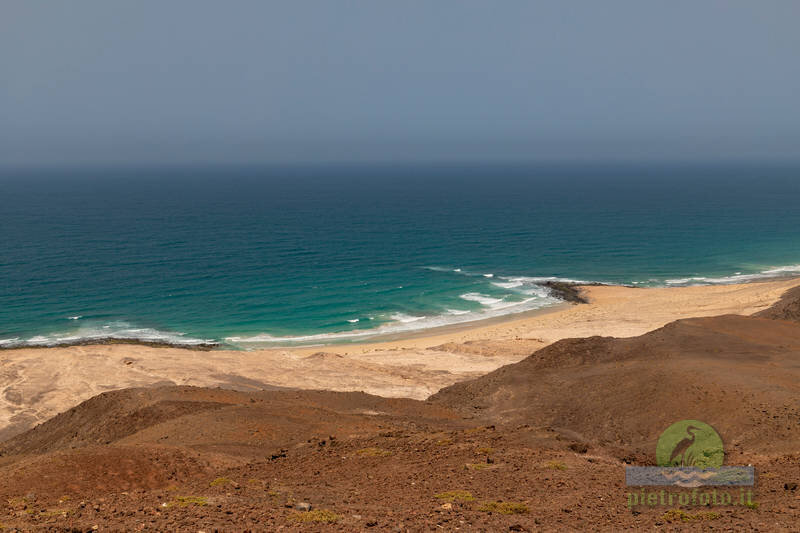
[
  {"x": 525, "y": 295},
  {"x": 481, "y": 298},
  {"x": 507, "y": 284},
  {"x": 353, "y": 321},
  {"x": 782, "y": 269},
  {"x": 406, "y": 319},
  {"x": 441, "y": 269},
  {"x": 76, "y": 317},
  {"x": 404, "y": 323},
  {"x": 542, "y": 279},
  {"x": 735, "y": 278},
  {"x": 110, "y": 331},
  {"x": 528, "y": 288}
]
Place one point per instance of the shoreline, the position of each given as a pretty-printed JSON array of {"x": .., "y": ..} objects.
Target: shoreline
[
  {"x": 39, "y": 383},
  {"x": 566, "y": 320},
  {"x": 568, "y": 293},
  {"x": 424, "y": 333}
]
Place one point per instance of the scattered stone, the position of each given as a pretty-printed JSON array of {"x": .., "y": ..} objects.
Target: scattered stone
[
  {"x": 303, "y": 506},
  {"x": 579, "y": 447}
]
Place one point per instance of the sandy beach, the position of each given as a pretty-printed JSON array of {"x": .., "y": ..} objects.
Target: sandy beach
[{"x": 39, "y": 383}]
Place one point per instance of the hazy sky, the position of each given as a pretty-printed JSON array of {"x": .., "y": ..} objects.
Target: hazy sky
[{"x": 188, "y": 81}]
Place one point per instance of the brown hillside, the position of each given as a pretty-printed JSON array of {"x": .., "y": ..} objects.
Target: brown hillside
[
  {"x": 740, "y": 374},
  {"x": 788, "y": 308},
  {"x": 225, "y": 420}
]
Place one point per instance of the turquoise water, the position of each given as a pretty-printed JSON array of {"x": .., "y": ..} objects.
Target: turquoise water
[{"x": 254, "y": 257}]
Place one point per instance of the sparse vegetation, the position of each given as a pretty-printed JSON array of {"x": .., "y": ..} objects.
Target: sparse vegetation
[
  {"x": 444, "y": 442},
  {"x": 220, "y": 481},
  {"x": 17, "y": 501},
  {"x": 456, "y": 496},
  {"x": 184, "y": 501},
  {"x": 751, "y": 505},
  {"x": 374, "y": 452},
  {"x": 504, "y": 507},
  {"x": 555, "y": 465},
  {"x": 679, "y": 515},
  {"x": 485, "y": 450},
  {"x": 476, "y": 466},
  {"x": 321, "y": 515}
]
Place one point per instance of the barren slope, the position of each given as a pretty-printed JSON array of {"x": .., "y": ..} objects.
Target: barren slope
[{"x": 546, "y": 440}]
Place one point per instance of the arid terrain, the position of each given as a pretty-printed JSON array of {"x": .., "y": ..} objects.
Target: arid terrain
[
  {"x": 38, "y": 383},
  {"x": 539, "y": 444}
]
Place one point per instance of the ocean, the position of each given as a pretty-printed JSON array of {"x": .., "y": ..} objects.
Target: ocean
[{"x": 250, "y": 257}]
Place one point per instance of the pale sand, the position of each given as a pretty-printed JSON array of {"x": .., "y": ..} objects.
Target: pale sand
[{"x": 39, "y": 383}]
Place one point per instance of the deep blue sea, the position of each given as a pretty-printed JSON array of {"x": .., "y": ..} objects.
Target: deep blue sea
[{"x": 268, "y": 256}]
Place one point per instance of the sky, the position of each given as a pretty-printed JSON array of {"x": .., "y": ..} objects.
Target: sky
[{"x": 193, "y": 81}]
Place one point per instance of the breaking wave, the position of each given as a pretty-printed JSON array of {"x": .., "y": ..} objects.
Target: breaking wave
[
  {"x": 738, "y": 277},
  {"x": 99, "y": 333}
]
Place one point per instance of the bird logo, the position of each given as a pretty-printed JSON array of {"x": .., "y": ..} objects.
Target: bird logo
[
  {"x": 690, "y": 443},
  {"x": 689, "y": 454},
  {"x": 680, "y": 449}
]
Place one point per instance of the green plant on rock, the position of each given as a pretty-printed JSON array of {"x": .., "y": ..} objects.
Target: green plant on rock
[
  {"x": 456, "y": 496},
  {"x": 184, "y": 501},
  {"x": 318, "y": 515},
  {"x": 679, "y": 515},
  {"x": 504, "y": 507}
]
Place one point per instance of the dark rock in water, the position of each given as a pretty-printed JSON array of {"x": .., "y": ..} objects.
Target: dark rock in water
[
  {"x": 203, "y": 347},
  {"x": 569, "y": 292}
]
